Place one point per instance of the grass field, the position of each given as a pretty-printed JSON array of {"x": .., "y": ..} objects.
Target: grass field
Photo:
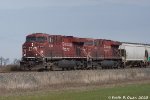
[{"x": 102, "y": 93}]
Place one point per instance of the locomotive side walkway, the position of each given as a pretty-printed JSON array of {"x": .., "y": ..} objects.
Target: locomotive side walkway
[{"x": 60, "y": 79}]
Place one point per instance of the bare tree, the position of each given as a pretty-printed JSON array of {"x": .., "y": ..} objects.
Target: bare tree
[
  {"x": 6, "y": 61},
  {"x": 16, "y": 62},
  {"x": 3, "y": 61}
]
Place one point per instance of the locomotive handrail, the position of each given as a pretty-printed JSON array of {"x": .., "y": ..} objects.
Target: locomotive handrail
[{"x": 39, "y": 53}]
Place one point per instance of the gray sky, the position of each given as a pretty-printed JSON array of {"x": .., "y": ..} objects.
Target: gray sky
[{"x": 122, "y": 20}]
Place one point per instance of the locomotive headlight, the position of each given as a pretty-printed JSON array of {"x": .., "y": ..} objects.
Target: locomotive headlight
[
  {"x": 32, "y": 44},
  {"x": 24, "y": 54},
  {"x": 41, "y": 51}
]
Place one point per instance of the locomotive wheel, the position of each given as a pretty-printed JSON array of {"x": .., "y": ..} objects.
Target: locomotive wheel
[
  {"x": 75, "y": 68},
  {"x": 29, "y": 67},
  {"x": 63, "y": 68},
  {"x": 51, "y": 68}
]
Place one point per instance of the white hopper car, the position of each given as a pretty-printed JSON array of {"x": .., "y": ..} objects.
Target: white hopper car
[{"x": 134, "y": 54}]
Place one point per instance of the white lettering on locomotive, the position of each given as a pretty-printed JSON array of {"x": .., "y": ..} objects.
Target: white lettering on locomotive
[
  {"x": 107, "y": 47},
  {"x": 51, "y": 45},
  {"x": 67, "y": 44},
  {"x": 66, "y": 49}
]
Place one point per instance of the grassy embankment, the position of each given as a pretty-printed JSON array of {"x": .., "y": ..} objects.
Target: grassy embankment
[{"x": 90, "y": 94}]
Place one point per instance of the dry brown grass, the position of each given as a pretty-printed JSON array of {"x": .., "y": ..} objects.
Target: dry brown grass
[
  {"x": 32, "y": 81},
  {"x": 10, "y": 68}
]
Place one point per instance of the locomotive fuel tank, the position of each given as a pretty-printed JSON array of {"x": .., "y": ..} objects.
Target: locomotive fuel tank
[
  {"x": 66, "y": 63},
  {"x": 109, "y": 64}
]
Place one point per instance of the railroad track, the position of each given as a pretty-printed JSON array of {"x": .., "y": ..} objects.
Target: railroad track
[{"x": 4, "y": 71}]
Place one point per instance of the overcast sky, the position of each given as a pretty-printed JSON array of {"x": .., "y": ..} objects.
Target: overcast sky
[{"x": 121, "y": 20}]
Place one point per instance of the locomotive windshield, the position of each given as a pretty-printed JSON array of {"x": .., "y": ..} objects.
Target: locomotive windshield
[
  {"x": 30, "y": 39},
  {"x": 89, "y": 43},
  {"x": 36, "y": 39},
  {"x": 41, "y": 39}
]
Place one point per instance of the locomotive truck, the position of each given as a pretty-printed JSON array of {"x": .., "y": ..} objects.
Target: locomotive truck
[{"x": 50, "y": 52}]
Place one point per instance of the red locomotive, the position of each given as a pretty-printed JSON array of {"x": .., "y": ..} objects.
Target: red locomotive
[{"x": 68, "y": 52}]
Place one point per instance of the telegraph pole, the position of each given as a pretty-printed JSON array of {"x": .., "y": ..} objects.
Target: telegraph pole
[{"x": 1, "y": 61}]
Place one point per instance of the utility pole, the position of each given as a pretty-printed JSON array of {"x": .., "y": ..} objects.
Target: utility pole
[{"x": 1, "y": 61}]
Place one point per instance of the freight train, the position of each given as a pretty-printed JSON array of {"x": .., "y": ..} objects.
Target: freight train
[{"x": 52, "y": 52}]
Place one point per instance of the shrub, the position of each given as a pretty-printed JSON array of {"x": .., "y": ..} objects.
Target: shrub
[{"x": 10, "y": 68}]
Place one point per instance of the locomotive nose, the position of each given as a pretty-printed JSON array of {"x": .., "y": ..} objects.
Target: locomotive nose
[
  {"x": 33, "y": 50},
  {"x": 29, "y": 50}
]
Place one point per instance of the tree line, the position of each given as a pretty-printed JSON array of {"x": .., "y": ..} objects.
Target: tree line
[{"x": 6, "y": 61}]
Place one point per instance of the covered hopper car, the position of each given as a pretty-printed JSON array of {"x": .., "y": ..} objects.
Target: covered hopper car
[{"x": 135, "y": 54}]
